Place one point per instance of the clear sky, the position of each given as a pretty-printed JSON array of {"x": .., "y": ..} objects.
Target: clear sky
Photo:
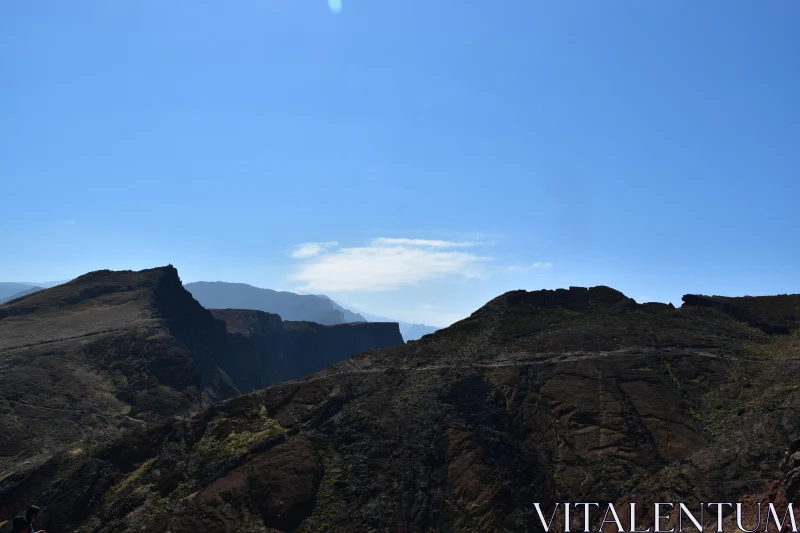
[{"x": 439, "y": 152}]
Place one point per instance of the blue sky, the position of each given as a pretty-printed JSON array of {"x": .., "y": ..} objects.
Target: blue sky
[{"x": 438, "y": 152}]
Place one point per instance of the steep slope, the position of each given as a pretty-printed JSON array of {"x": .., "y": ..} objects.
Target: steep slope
[
  {"x": 567, "y": 395},
  {"x": 105, "y": 351},
  {"x": 290, "y": 306}
]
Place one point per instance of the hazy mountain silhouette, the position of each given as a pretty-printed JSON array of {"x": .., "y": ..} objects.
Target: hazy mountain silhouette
[
  {"x": 409, "y": 331},
  {"x": 14, "y": 289},
  {"x": 9, "y": 288},
  {"x": 290, "y": 306},
  {"x": 20, "y": 294}
]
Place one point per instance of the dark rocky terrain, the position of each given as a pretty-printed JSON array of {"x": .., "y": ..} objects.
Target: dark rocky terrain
[
  {"x": 567, "y": 395},
  {"x": 113, "y": 350},
  {"x": 290, "y": 306}
]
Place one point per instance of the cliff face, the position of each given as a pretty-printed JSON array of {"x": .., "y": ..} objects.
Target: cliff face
[
  {"x": 264, "y": 350},
  {"x": 103, "y": 352},
  {"x": 568, "y": 395},
  {"x": 112, "y": 350}
]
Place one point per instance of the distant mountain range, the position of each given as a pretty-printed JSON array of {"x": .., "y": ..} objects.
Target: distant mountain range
[
  {"x": 11, "y": 290},
  {"x": 410, "y": 332},
  {"x": 290, "y": 306},
  {"x": 223, "y": 295}
]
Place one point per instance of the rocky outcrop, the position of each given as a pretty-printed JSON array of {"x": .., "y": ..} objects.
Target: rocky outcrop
[
  {"x": 265, "y": 350},
  {"x": 771, "y": 314},
  {"x": 569, "y": 395},
  {"x": 792, "y": 465}
]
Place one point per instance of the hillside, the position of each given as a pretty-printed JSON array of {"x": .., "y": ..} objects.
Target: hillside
[
  {"x": 566, "y": 395},
  {"x": 290, "y": 306},
  {"x": 114, "y": 350}
]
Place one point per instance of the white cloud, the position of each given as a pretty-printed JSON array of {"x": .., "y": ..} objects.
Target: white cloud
[
  {"x": 385, "y": 264},
  {"x": 426, "y": 243},
  {"x": 311, "y": 249},
  {"x": 515, "y": 269}
]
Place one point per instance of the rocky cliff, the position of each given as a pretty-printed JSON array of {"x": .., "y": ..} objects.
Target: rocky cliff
[
  {"x": 567, "y": 395},
  {"x": 113, "y": 350},
  {"x": 266, "y": 350},
  {"x": 103, "y": 352}
]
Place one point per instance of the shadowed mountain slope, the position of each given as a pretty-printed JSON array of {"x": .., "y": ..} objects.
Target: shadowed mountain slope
[
  {"x": 269, "y": 350},
  {"x": 113, "y": 350},
  {"x": 567, "y": 395}
]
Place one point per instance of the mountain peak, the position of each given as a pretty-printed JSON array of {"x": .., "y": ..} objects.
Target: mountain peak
[{"x": 578, "y": 299}]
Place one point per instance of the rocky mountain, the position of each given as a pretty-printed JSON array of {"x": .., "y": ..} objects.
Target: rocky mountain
[
  {"x": 567, "y": 395},
  {"x": 112, "y": 350},
  {"x": 269, "y": 350},
  {"x": 290, "y": 306}
]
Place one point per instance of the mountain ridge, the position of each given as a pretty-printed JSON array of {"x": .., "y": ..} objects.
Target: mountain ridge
[
  {"x": 114, "y": 349},
  {"x": 576, "y": 394},
  {"x": 290, "y": 306}
]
